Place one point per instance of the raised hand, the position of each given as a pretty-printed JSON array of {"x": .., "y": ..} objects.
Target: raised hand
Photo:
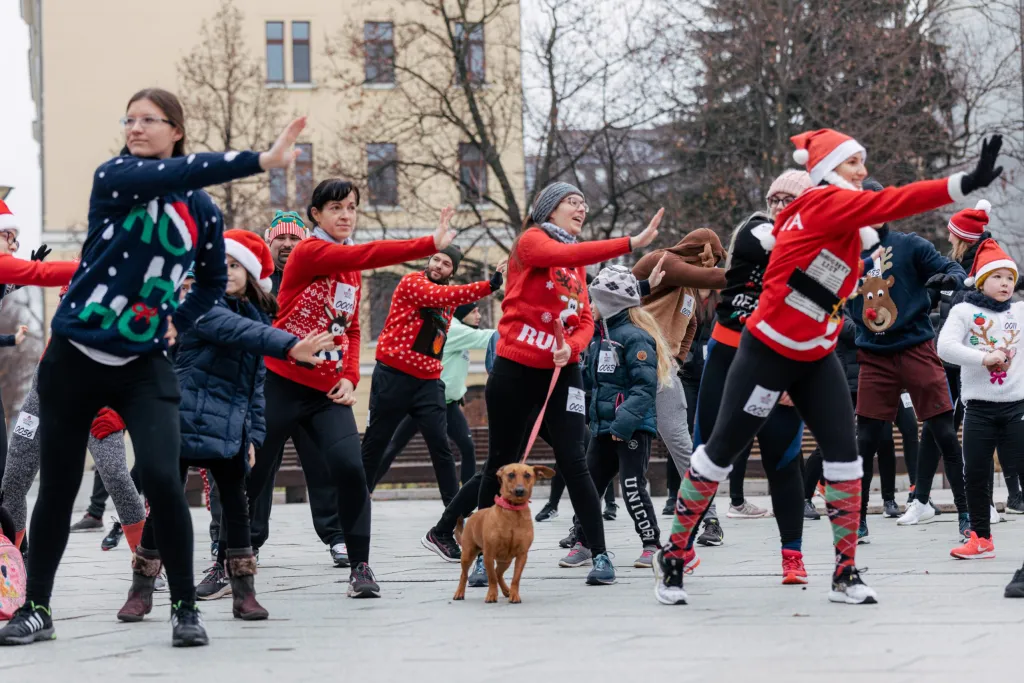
[
  {"x": 19, "y": 336},
  {"x": 306, "y": 349},
  {"x": 502, "y": 267},
  {"x": 658, "y": 274},
  {"x": 444, "y": 235},
  {"x": 985, "y": 171},
  {"x": 649, "y": 233},
  {"x": 283, "y": 153},
  {"x": 343, "y": 393},
  {"x": 41, "y": 253}
]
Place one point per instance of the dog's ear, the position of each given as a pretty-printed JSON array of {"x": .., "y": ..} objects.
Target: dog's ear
[
  {"x": 543, "y": 472},
  {"x": 501, "y": 472}
]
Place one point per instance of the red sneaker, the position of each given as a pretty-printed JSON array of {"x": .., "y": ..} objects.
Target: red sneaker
[
  {"x": 690, "y": 561},
  {"x": 793, "y": 571},
  {"x": 975, "y": 549}
]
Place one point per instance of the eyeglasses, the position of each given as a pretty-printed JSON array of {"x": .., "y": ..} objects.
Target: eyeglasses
[
  {"x": 782, "y": 200},
  {"x": 146, "y": 121},
  {"x": 576, "y": 202}
]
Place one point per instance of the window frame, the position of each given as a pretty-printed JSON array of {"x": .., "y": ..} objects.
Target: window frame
[
  {"x": 302, "y": 198},
  {"x": 467, "y": 53},
  {"x": 480, "y": 164},
  {"x": 384, "y": 165},
  {"x": 307, "y": 41},
  {"x": 274, "y": 42},
  {"x": 379, "y": 46}
]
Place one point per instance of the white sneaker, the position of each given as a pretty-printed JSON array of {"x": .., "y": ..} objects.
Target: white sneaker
[
  {"x": 747, "y": 511},
  {"x": 668, "y": 580},
  {"x": 917, "y": 513},
  {"x": 993, "y": 515}
]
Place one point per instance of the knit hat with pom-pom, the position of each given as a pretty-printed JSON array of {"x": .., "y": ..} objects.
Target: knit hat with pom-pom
[{"x": 969, "y": 224}]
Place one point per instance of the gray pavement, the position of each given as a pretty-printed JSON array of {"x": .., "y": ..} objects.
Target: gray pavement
[{"x": 938, "y": 619}]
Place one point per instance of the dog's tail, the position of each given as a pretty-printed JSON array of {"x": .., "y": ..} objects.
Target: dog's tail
[{"x": 460, "y": 524}]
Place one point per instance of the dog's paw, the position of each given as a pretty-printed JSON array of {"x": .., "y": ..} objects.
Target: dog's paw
[
  {"x": 492, "y": 596},
  {"x": 459, "y": 595},
  {"x": 506, "y": 592},
  {"x": 514, "y": 598}
]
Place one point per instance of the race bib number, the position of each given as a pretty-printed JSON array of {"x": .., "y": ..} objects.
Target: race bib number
[
  {"x": 907, "y": 403},
  {"x": 576, "y": 403},
  {"x": 761, "y": 401},
  {"x": 345, "y": 298},
  {"x": 27, "y": 426},
  {"x": 688, "y": 302},
  {"x": 606, "y": 362},
  {"x": 830, "y": 271}
]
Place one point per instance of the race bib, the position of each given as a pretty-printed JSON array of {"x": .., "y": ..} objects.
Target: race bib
[
  {"x": 606, "y": 362},
  {"x": 576, "y": 402},
  {"x": 688, "y": 302},
  {"x": 705, "y": 350},
  {"x": 907, "y": 403},
  {"x": 761, "y": 401},
  {"x": 27, "y": 426},
  {"x": 345, "y": 298}
]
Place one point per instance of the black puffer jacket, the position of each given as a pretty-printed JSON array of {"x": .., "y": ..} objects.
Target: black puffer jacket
[{"x": 622, "y": 370}]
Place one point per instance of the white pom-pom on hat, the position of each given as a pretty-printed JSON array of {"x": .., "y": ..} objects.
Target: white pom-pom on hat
[
  {"x": 983, "y": 205},
  {"x": 969, "y": 282},
  {"x": 801, "y": 156},
  {"x": 868, "y": 237}
]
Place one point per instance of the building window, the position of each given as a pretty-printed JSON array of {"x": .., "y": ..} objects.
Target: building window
[
  {"x": 382, "y": 173},
  {"x": 300, "y": 52},
  {"x": 278, "y": 188},
  {"x": 379, "y": 38},
  {"x": 472, "y": 174},
  {"x": 275, "y": 52},
  {"x": 382, "y": 287},
  {"x": 303, "y": 174},
  {"x": 469, "y": 44}
]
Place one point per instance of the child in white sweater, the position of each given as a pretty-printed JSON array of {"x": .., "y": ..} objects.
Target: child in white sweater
[{"x": 982, "y": 335}]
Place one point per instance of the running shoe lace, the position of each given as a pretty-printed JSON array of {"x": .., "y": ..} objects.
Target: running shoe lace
[
  {"x": 601, "y": 562},
  {"x": 792, "y": 563}
]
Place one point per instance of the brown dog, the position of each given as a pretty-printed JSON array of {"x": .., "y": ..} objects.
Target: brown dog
[{"x": 504, "y": 532}]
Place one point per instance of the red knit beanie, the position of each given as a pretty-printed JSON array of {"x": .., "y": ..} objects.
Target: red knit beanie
[{"x": 969, "y": 224}]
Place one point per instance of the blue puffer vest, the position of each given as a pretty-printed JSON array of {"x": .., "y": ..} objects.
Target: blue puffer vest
[
  {"x": 220, "y": 370},
  {"x": 622, "y": 374}
]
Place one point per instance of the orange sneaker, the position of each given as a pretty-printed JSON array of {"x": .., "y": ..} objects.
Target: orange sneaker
[
  {"x": 975, "y": 549},
  {"x": 793, "y": 572},
  {"x": 690, "y": 561}
]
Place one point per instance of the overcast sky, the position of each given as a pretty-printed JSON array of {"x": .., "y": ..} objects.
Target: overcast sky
[{"x": 19, "y": 153}]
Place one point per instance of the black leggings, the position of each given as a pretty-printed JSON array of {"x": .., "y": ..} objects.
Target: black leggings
[
  {"x": 779, "y": 437},
  {"x": 990, "y": 427},
  {"x": 229, "y": 475},
  {"x": 458, "y": 432},
  {"x": 756, "y": 379},
  {"x": 145, "y": 393},
  {"x": 332, "y": 429},
  {"x": 515, "y": 394},
  {"x": 691, "y": 389},
  {"x": 607, "y": 457}
]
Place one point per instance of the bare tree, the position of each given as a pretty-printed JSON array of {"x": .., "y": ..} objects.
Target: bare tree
[{"x": 229, "y": 107}]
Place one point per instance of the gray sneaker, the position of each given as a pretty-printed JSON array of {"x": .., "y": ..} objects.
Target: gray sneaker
[
  {"x": 478, "y": 577},
  {"x": 577, "y": 557},
  {"x": 87, "y": 523},
  {"x": 646, "y": 557},
  {"x": 747, "y": 511},
  {"x": 603, "y": 573}
]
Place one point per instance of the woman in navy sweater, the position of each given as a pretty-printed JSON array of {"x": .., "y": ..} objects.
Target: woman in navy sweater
[{"x": 148, "y": 221}]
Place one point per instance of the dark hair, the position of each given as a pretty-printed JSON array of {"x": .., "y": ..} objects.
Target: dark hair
[
  {"x": 330, "y": 190},
  {"x": 265, "y": 301},
  {"x": 171, "y": 107}
]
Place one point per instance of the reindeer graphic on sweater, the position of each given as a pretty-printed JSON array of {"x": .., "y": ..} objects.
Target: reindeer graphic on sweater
[
  {"x": 880, "y": 311},
  {"x": 983, "y": 336}
]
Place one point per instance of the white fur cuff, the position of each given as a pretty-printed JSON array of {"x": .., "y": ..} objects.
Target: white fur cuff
[
  {"x": 701, "y": 464},
  {"x": 843, "y": 471},
  {"x": 955, "y": 187}
]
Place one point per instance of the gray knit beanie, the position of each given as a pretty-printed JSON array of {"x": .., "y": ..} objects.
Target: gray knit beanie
[
  {"x": 614, "y": 290},
  {"x": 549, "y": 198}
]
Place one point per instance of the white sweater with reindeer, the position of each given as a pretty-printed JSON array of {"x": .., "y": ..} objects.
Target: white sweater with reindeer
[{"x": 971, "y": 331}]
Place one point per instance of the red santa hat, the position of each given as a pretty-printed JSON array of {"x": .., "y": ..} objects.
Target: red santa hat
[
  {"x": 253, "y": 253},
  {"x": 989, "y": 258},
  {"x": 969, "y": 224},
  {"x": 7, "y": 220},
  {"x": 821, "y": 151}
]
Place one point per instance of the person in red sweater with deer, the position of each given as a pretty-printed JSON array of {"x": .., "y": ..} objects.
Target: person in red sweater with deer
[
  {"x": 546, "y": 280},
  {"x": 320, "y": 291},
  {"x": 788, "y": 341},
  {"x": 407, "y": 378}
]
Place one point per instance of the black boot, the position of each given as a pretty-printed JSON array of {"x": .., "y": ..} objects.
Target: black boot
[
  {"x": 145, "y": 568},
  {"x": 241, "y": 567}
]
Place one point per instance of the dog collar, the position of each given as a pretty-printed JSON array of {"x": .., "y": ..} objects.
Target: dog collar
[{"x": 502, "y": 503}]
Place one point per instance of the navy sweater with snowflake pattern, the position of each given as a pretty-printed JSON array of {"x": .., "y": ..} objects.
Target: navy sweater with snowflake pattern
[{"x": 149, "y": 220}]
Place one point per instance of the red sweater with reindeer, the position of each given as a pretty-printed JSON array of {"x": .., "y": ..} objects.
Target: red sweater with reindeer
[
  {"x": 320, "y": 292},
  {"x": 546, "y": 279},
  {"x": 821, "y": 235},
  {"x": 417, "y": 325}
]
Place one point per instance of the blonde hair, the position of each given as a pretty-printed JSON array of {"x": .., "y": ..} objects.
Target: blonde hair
[
  {"x": 960, "y": 248},
  {"x": 666, "y": 364}
]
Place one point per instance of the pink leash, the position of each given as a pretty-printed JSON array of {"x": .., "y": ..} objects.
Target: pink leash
[{"x": 559, "y": 340}]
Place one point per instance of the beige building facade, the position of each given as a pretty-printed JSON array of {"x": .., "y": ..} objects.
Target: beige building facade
[{"x": 334, "y": 62}]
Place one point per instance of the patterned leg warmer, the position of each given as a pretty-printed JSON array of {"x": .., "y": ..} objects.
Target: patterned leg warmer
[
  {"x": 842, "y": 500},
  {"x": 696, "y": 493}
]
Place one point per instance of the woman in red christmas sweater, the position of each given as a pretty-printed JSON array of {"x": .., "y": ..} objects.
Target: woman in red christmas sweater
[
  {"x": 320, "y": 291},
  {"x": 814, "y": 266},
  {"x": 546, "y": 279}
]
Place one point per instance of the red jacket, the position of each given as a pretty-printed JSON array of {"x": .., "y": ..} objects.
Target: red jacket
[
  {"x": 546, "y": 279},
  {"x": 819, "y": 233},
  {"x": 417, "y": 326},
  {"x": 320, "y": 291}
]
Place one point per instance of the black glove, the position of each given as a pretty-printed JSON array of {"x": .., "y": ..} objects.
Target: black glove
[
  {"x": 496, "y": 281},
  {"x": 943, "y": 282},
  {"x": 985, "y": 172},
  {"x": 41, "y": 253}
]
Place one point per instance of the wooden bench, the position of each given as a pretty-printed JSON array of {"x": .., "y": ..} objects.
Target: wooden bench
[{"x": 412, "y": 466}]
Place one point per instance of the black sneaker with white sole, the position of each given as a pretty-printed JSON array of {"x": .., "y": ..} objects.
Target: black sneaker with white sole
[
  {"x": 891, "y": 509},
  {"x": 547, "y": 513},
  {"x": 111, "y": 540},
  {"x": 31, "y": 623},
  {"x": 215, "y": 584},
  {"x": 362, "y": 583},
  {"x": 187, "y": 627},
  {"x": 443, "y": 544},
  {"x": 848, "y": 588},
  {"x": 670, "y": 507},
  {"x": 712, "y": 534}
]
